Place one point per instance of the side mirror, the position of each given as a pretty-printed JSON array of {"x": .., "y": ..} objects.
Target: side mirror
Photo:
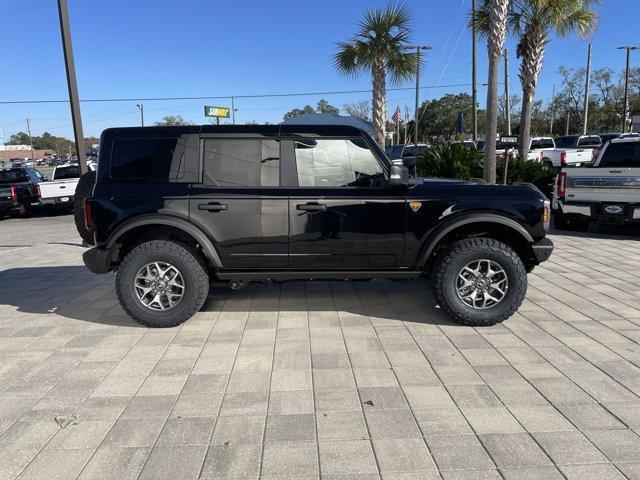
[{"x": 399, "y": 175}]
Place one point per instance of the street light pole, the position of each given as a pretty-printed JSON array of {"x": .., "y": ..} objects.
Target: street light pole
[
  {"x": 625, "y": 114},
  {"x": 585, "y": 122},
  {"x": 474, "y": 91},
  {"x": 141, "y": 108},
  {"x": 72, "y": 85},
  {"x": 418, "y": 48}
]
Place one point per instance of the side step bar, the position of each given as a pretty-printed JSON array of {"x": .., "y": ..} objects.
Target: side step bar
[{"x": 317, "y": 275}]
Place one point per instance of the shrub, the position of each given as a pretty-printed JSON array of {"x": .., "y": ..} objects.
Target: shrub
[{"x": 459, "y": 161}]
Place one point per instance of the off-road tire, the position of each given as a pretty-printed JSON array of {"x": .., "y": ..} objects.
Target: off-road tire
[
  {"x": 459, "y": 254},
  {"x": 192, "y": 269},
  {"x": 83, "y": 190}
]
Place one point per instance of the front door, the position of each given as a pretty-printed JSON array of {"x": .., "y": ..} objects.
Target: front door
[
  {"x": 343, "y": 214},
  {"x": 240, "y": 204}
]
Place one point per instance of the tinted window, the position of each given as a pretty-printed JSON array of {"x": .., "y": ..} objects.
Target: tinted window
[
  {"x": 13, "y": 176},
  {"x": 566, "y": 142},
  {"x": 336, "y": 163},
  {"x": 590, "y": 142},
  {"x": 147, "y": 159},
  {"x": 242, "y": 162},
  {"x": 542, "y": 143},
  {"x": 610, "y": 136},
  {"x": 621, "y": 155},
  {"x": 66, "y": 172}
]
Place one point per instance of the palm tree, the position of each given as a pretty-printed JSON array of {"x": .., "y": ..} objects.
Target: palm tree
[
  {"x": 379, "y": 47},
  {"x": 491, "y": 21},
  {"x": 534, "y": 21}
]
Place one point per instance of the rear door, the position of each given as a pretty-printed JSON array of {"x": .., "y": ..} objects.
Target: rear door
[
  {"x": 343, "y": 214},
  {"x": 240, "y": 203}
]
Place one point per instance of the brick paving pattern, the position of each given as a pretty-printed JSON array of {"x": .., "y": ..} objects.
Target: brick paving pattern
[{"x": 323, "y": 380}]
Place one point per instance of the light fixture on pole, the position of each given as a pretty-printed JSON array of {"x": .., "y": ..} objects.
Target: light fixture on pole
[
  {"x": 141, "y": 108},
  {"x": 418, "y": 48},
  {"x": 625, "y": 114}
]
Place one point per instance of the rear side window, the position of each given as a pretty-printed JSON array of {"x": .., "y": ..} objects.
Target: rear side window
[
  {"x": 147, "y": 159},
  {"x": 241, "y": 162},
  {"x": 623, "y": 155}
]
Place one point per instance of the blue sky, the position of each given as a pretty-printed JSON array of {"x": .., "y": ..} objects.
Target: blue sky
[{"x": 160, "y": 48}]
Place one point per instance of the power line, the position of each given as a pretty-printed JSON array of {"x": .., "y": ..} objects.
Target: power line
[{"x": 216, "y": 97}]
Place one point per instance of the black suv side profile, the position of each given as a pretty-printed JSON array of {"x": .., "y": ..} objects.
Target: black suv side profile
[{"x": 175, "y": 208}]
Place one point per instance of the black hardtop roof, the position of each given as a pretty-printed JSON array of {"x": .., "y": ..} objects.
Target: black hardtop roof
[{"x": 271, "y": 130}]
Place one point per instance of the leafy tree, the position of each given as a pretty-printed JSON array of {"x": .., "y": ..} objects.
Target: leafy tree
[
  {"x": 172, "y": 120},
  {"x": 326, "y": 107},
  {"x": 437, "y": 117},
  {"x": 296, "y": 112},
  {"x": 19, "y": 138},
  {"x": 491, "y": 21},
  {"x": 534, "y": 21},
  {"x": 361, "y": 110},
  {"x": 379, "y": 47}
]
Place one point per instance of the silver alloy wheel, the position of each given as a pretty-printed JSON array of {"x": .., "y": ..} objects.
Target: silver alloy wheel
[
  {"x": 159, "y": 286},
  {"x": 482, "y": 284}
]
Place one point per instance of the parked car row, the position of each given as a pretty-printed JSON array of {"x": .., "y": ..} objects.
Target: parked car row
[{"x": 25, "y": 188}]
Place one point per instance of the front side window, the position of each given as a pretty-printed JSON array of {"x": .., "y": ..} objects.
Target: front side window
[
  {"x": 148, "y": 159},
  {"x": 337, "y": 163},
  {"x": 242, "y": 162}
]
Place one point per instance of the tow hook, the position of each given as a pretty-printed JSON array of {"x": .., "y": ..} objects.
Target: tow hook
[{"x": 237, "y": 284}]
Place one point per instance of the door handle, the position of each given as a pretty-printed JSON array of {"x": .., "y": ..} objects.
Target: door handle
[
  {"x": 212, "y": 207},
  {"x": 311, "y": 207}
]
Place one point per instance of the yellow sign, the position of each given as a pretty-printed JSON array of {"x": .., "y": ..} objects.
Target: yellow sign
[{"x": 415, "y": 206}]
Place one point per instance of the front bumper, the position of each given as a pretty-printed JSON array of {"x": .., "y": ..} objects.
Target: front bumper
[
  {"x": 542, "y": 250},
  {"x": 100, "y": 260}
]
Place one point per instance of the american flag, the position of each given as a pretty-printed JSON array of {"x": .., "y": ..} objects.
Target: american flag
[{"x": 397, "y": 116}]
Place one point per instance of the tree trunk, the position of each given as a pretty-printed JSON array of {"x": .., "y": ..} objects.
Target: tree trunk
[
  {"x": 379, "y": 110},
  {"x": 531, "y": 49},
  {"x": 494, "y": 45}
]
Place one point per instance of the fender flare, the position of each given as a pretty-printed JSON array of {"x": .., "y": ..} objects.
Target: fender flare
[
  {"x": 179, "y": 223},
  {"x": 467, "y": 219}
]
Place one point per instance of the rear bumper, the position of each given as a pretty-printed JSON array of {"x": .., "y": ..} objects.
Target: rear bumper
[
  {"x": 100, "y": 260},
  {"x": 630, "y": 212},
  {"x": 542, "y": 250},
  {"x": 57, "y": 200}
]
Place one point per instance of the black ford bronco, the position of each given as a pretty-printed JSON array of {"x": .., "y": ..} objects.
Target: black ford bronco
[{"x": 175, "y": 208}]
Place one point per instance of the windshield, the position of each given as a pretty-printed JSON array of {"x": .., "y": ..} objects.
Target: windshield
[
  {"x": 566, "y": 142},
  {"x": 542, "y": 143},
  {"x": 624, "y": 155}
]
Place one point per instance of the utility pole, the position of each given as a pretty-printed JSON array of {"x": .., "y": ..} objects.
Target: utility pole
[
  {"x": 585, "y": 122},
  {"x": 406, "y": 122},
  {"x": 474, "y": 91},
  {"x": 625, "y": 114},
  {"x": 72, "y": 85},
  {"x": 233, "y": 110},
  {"x": 141, "y": 108},
  {"x": 29, "y": 133},
  {"x": 566, "y": 127},
  {"x": 507, "y": 106},
  {"x": 418, "y": 49},
  {"x": 553, "y": 97}
]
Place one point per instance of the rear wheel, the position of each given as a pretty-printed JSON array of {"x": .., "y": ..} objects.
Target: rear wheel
[
  {"x": 479, "y": 281},
  {"x": 83, "y": 190},
  {"x": 161, "y": 283}
]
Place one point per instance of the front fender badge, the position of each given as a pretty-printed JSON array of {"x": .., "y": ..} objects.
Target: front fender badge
[{"x": 415, "y": 206}]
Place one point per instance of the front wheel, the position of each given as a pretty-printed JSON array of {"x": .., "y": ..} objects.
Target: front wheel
[
  {"x": 161, "y": 283},
  {"x": 479, "y": 281}
]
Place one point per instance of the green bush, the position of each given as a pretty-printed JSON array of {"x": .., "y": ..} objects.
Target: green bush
[{"x": 459, "y": 161}]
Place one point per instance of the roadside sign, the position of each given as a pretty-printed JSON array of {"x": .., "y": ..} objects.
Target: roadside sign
[{"x": 220, "y": 112}]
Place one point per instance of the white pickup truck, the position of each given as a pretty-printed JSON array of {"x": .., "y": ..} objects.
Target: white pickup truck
[
  {"x": 59, "y": 191},
  {"x": 608, "y": 192},
  {"x": 572, "y": 150}
]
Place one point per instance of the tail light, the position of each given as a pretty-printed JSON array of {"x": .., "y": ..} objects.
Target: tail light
[
  {"x": 540, "y": 157},
  {"x": 38, "y": 192},
  {"x": 88, "y": 214},
  {"x": 562, "y": 180},
  {"x": 14, "y": 193},
  {"x": 594, "y": 154},
  {"x": 563, "y": 158}
]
